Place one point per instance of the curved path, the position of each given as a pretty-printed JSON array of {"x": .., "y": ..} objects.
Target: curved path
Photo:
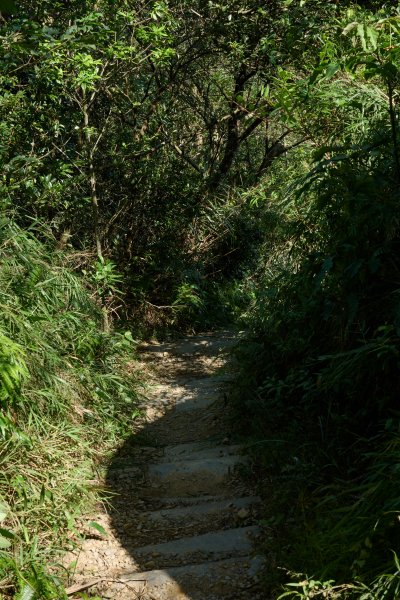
[{"x": 182, "y": 525}]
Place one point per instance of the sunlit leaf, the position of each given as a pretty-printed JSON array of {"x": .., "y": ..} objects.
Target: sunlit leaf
[
  {"x": 98, "y": 527},
  {"x": 4, "y": 543},
  {"x": 27, "y": 593}
]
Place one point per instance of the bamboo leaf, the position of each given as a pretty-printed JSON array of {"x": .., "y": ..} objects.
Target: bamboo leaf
[
  {"x": 98, "y": 527},
  {"x": 373, "y": 37},
  {"x": 349, "y": 27},
  {"x": 361, "y": 34},
  {"x": 7, "y": 533}
]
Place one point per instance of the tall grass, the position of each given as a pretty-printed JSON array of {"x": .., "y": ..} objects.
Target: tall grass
[{"x": 66, "y": 396}]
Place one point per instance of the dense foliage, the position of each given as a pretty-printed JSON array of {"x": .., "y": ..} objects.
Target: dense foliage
[
  {"x": 64, "y": 389},
  {"x": 182, "y": 164},
  {"x": 325, "y": 353},
  {"x": 141, "y": 119}
]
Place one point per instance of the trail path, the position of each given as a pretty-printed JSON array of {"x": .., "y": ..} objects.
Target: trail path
[{"x": 182, "y": 525}]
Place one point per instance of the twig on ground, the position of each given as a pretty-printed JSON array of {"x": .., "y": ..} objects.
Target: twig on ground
[{"x": 79, "y": 587}]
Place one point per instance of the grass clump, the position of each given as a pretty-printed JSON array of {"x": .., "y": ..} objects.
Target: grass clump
[{"x": 66, "y": 397}]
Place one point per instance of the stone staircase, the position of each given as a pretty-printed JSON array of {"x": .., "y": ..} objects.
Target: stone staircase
[{"x": 183, "y": 526}]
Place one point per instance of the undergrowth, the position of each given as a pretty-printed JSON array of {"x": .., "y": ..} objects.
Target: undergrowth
[
  {"x": 66, "y": 399},
  {"x": 318, "y": 389}
]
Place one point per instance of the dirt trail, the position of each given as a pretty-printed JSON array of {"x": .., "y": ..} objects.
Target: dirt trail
[{"x": 182, "y": 525}]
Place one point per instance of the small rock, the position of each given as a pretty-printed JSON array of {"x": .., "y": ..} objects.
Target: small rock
[{"x": 243, "y": 513}]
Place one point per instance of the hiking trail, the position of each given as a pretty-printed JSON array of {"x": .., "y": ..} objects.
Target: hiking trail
[{"x": 182, "y": 524}]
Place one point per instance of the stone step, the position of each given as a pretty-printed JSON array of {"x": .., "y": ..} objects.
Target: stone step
[
  {"x": 181, "y": 514},
  {"x": 192, "y": 451},
  {"x": 189, "y": 346},
  {"x": 191, "y": 477},
  {"x": 154, "y": 503},
  {"x": 188, "y": 403},
  {"x": 128, "y": 465},
  {"x": 173, "y": 523},
  {"x": 198, "y": 451},
  {"x": 212, "y": 546},
  {"x": 158, "y": 503},
  {"x": 234, "y": 578},
  {"x": 152, "y": 528}
]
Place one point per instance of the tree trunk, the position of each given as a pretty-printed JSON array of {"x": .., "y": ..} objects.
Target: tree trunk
[
  {"x": 233, "y": 138},
  {"x": 93, "y": 182},
  {"x": 95, "y": 205}
]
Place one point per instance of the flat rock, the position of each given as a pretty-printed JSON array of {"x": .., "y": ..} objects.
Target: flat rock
[
  {"x": 215, "y": 545},
  {"x": 202, "y": 510},
  {"x": 191, "y": 477},
  {"x": 229, "y": 579},
  {"x": 167, "y": 524},
  {"x": 199, "y": 451}
]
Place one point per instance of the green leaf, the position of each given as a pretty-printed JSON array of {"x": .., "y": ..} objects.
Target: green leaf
[
  {"x": 27, "y": 593},
  {"x": 7, "y": 533},
  {"x": 361, "y": 34},
  {"x": 331, "y": 69},
  {"x": 98, "y": 527},
  {"x": 373, "y": 37},
  {"x": 349, "y": 27},
  {"x": 4, "y": 543}
]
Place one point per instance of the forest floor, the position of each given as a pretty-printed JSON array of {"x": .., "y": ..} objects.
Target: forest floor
[{"x": 180, "y": 522}]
